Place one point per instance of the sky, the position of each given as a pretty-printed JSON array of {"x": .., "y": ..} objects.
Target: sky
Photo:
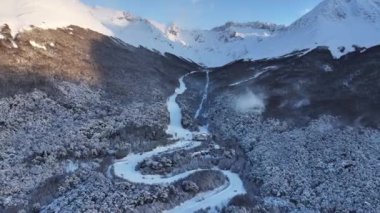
[{"x": 206, "y": 14}]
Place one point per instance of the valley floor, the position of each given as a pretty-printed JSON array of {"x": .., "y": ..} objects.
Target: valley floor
[
  {"x": 320, "y": 167},
  {"x": 279, "y": 138}
]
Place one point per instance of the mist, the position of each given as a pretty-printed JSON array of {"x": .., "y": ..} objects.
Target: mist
[{"x": 250, "y": 102}]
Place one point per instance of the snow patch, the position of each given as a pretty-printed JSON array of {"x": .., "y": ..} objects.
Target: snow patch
[
  {"x": 203, "y": 129},
  {"x": 205, "y": 93},
  {"x": 175, "y": 127},
  {"x": 248, "y": 79},
  {"x": 20, "y": 15},
  {"x": 327, "y": 68},
  {"x": 302, "y": 103},
  {"x": 71, "y": 167},
  {"x": 216, "y": 198},
  {"x": 14, "y": 45},
  {"x": 258, "y": 74},
  {"x": 37, "y": 45}
]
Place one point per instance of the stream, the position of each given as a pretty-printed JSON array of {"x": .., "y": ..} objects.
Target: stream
[{"x": 214, "y": 199}]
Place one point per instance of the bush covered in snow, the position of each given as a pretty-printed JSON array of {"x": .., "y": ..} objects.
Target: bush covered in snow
[
  {"x": 324, "y": 165},
  {"x": 44, "y": 137}
]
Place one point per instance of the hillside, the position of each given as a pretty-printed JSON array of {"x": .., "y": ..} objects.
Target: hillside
[{"x": 105, "y": 111}]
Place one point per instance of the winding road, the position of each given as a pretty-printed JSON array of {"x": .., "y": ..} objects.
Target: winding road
[{"x": 214, "y": 199}]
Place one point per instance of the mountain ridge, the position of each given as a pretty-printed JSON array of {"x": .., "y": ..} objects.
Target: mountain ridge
[
  {"x": 341, "y": 25},
  {"x": 300, "y": 132}
]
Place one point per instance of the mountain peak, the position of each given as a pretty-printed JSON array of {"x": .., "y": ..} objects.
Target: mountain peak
[
  {"x": 173, "y": 29},
  {"x": 253, "y": 25},
  {"x": 340, "y": 25},
  {"x": 22, "y": 14},
  {"x": 342, "y": 10}
]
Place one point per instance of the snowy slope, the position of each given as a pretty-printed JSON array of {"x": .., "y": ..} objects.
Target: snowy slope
[
  {"x": 21, "y": 14},
  {"x": 210, "y": 47},
  {"x": 338, "y": 24}
]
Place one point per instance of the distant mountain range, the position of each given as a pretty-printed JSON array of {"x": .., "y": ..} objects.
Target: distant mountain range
[{"x": 341, "y": 25}]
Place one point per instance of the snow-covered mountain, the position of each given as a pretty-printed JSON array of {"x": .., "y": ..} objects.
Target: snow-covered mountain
[
  {"x": 341, "y": 25},
  {"x": 22, "y": 14},
  {"x": 210, "y": 47}
]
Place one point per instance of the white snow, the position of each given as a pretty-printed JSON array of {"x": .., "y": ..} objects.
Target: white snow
[
  {"x": 333, "y": 23},
  {"x": 204, "y": 97},
  {"x": 200, "y": 153},
  {"x": 275, "y": 201},
  {"x": 247, "y": 79},
  {"x": 209, "y": 47},
  {"x": 217, "y": 198},
  {"x": 14, "y": 45},
  {"x": 1, "y": 36},
  {"x": 71, "y": 167},
  {"x": 175, "y": 127},
  {"x": 341, "y": 24},
  {"x": 126, "y": 167},
  {"x": 21, "y": 14},
  {"x": 203, "y": 129},
  {"x": 264, "y": 70},
  {"x": 302, "y": 103},
  {"x": 337, "y": 24},
  {"x": 327, "y": 68},
  {"x": 37, "y": 45}
]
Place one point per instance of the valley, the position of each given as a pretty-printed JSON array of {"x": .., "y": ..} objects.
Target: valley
[{"x": 117, "y": 113}]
